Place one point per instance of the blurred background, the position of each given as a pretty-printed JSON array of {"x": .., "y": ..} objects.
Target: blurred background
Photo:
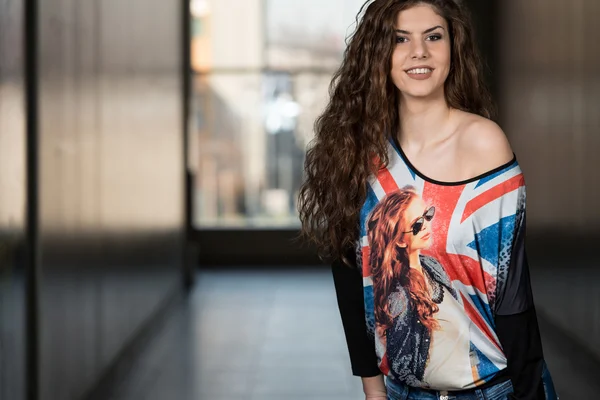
[{"x": 151, "y": 153}]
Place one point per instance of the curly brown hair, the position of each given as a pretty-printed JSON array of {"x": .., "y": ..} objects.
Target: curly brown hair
[
  {"x": 389, "y": 262},
  {"x": 351, "y": 134}
]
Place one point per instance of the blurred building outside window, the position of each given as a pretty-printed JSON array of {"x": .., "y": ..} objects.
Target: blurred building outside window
[{"x": 261, "y": 74}]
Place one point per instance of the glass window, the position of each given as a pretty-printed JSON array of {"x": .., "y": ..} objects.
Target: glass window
[{"x": 262, "y": 71}]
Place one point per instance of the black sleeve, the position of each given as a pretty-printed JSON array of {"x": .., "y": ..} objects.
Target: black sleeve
[
  {"x": 349, "y": 291},
  {"x": 520, "y": 338},
  {"x": 517, "y": 326}
]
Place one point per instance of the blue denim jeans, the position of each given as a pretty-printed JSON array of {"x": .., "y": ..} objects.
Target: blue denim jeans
[
  {"x": 548, "y": 384},
  {"x": 399, "y": 391}
]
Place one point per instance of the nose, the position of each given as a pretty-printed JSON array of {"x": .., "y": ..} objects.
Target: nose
[
  {"x": 425, "y": 225},
  {"x": 419, "y": 50}
]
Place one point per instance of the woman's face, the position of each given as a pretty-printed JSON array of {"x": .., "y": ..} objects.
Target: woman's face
[
  {"x": 422, "y": 239},
  {"x": 421, "y": 58}
]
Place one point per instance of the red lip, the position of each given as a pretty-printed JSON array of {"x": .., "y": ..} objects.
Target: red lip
[{"x": 426, "y": 236}]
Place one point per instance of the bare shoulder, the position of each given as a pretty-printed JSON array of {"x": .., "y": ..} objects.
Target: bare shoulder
[{"x": 483, "y": 141}]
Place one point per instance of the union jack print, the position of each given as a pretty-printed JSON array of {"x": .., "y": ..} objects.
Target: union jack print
[{"x": 473, "y": 232}]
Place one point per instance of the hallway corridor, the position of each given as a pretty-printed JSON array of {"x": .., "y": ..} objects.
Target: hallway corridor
[{"x": 266, "y": 335}]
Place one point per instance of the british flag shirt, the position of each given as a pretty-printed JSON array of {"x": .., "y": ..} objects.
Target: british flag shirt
[{"x": 466, "y": 254}]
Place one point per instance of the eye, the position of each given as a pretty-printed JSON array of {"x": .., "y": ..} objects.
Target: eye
[
  {"x": 434, "y": 38},
  {"x": 401, "y": 39}
]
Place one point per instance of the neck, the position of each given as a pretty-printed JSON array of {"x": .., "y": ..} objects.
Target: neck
[
  {"x": 423, "y": 121},
  {"x": 414, "y": 261}
]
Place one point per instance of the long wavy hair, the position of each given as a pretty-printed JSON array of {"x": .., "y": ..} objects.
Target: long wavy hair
[
  {"x": 390, "y": 263},
  {"x": 351, "y": 134}
]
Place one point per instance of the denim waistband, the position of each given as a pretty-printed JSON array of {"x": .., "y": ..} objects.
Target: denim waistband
[{"x": 399, "y": 391}]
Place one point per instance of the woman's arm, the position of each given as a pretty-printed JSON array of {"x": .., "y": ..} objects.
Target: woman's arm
[
  {"x": 349, "y": 292},
  {"x": 520, "y": 338},
  {"x": 361, "y": 346},
  {"x": 516, "y": 321},
  {"x": 374, "y": 388}
]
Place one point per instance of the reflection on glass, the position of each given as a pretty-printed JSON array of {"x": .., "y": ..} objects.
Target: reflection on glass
[{"x": 262, "y": 75}]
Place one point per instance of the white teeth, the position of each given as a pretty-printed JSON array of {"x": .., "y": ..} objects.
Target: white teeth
[{"x": 419, "y": 71}]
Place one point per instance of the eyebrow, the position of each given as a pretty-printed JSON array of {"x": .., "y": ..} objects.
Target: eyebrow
[{"x": 424, "y": 32}]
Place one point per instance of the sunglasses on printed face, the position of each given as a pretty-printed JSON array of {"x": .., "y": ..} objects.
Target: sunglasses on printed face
[{"x": 418, "y": 224}]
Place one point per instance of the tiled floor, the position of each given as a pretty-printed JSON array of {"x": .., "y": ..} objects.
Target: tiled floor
[{"x": 269, "y": 335}]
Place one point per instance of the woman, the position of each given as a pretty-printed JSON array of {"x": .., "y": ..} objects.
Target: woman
[
  {"x": 413, "y": 295},
  {"x": 408, "y": 107}
]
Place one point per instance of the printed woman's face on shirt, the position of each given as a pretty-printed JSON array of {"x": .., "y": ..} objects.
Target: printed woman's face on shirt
[{"x": 422, "y": 239}]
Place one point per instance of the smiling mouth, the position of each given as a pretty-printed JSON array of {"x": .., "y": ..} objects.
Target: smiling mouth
[
  {"x": 426, "y": 236},
  {"x": 419, "y": 71}
]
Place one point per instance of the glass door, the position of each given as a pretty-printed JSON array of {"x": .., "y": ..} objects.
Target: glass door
[{"x": 261, "y": 71}]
